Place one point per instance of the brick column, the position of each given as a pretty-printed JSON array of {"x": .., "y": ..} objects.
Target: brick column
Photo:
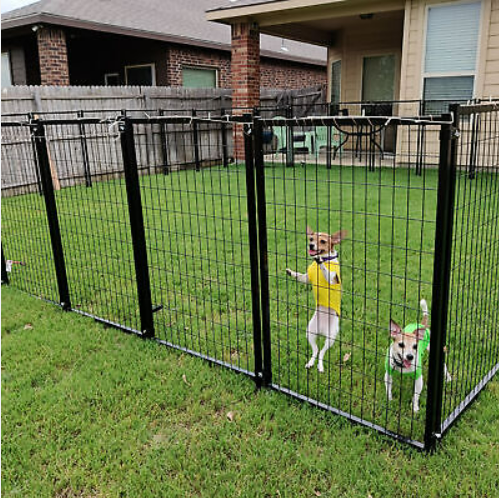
[
  {"x": 245, "y": 74},
  {"x": 53, "y": 56}
]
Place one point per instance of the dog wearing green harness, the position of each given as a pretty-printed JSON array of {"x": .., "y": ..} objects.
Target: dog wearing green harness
[{"x": 405, "y": 355}]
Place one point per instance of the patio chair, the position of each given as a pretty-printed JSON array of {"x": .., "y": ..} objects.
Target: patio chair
[
  {"x": 280, "y": 134},
  {"x": 301, "y": 140},
  {"x": 320, "y": 138}
]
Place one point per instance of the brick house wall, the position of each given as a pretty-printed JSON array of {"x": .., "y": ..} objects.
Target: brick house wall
[
  {"x": 274, "y": 73},
  {"x": 53, "y": 56},
  {"x": 179, "y": 56},
  {"x": 91, "y": 55},
  {"x": 290, "y": 75}
]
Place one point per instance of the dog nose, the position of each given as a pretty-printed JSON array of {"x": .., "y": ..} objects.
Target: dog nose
[
  {"x": 311, "y": 246},
  {"x": 410, "y": 357}
]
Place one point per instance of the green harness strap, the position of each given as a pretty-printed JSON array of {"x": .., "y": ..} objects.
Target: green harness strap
[{"x": 422, "y": 347}]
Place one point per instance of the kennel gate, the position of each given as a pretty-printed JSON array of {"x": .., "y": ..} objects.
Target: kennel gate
[{"x": 181, "y": 198}]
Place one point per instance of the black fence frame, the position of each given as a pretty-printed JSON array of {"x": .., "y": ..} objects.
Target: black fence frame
[{"x": 256, "y": 205}]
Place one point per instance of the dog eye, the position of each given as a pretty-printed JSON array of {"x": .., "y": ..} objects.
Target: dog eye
[
  {"x": 401, "y": 344},
  {"x": 311, "y": 239},
  {"x": 323, "y": 241},
  {"x": 415, "y": 346}
]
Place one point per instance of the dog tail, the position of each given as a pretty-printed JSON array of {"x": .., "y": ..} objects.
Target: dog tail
[{"x": 424, "y": 308}]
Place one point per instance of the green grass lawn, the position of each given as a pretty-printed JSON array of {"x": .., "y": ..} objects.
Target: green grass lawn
[
  {"x": 91, "y": 412},
  {"x": 198, "y": 252}
]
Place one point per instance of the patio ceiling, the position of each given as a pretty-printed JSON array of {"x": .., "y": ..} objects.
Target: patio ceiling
[{"x": 312, "y": 21}]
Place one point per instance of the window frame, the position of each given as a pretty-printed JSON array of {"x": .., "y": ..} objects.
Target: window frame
[
  {"x": 201, "y": 67},
  {"x": 151, "y": 65},
  {"x": 111, "y": 74},
  {"x": 475, "y": 72}
]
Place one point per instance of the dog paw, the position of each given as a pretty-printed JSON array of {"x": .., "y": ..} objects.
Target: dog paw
[
  {"x": 415, "y": 408},
  {"x": 320, "y": 367},
  {"x": 310, "y": 364},
  {"x": 448, "y": 378},
  {"x": 289, "y": 272}
]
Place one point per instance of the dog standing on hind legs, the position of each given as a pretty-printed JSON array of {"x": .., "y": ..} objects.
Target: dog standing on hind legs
[
  {"x": 405, "y": 355},
  {"x": 324, "y": 276}
]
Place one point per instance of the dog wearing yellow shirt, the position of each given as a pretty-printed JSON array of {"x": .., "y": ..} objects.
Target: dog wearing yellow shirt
[{"x": 324, "y": 276}]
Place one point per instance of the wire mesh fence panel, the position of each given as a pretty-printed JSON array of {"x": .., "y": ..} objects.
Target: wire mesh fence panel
[
  {"x": 94, "y": 222},
  {"x": 371, "y": 219},
  {"x": 25, "y": 230},
  {"x": 472, "y": 337},
  {"x": 312, "y": 254},
  {"x": 196, "y": 223}
]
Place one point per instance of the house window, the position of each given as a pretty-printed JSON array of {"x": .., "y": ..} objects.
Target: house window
[
  {"x": 141, "y": 75},
  {"x": 6, "y": 70},
  {"x": 451, "y": 55},
  {"x": 112, "y": 79},
  {"x": 378, "y": 78},
  {"x": 194, "y": 77},
  {"x": 336, "y": 82}
]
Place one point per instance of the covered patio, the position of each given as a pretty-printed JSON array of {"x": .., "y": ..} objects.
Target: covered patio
[
  {"x": 364, "y": 40},
  {"x": 365, "y": 43}
]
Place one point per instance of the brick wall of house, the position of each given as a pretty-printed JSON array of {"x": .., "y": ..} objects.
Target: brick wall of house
[
  {"x": 53, "y": 56},
  {"x": 274, "y": 73},
  {"x": 111, "y": 53},
  {"x": 179, "y": 56},
  {"x": 290, "y": 75}
]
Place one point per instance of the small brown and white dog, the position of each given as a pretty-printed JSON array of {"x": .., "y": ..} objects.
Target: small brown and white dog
[
  {"x": 405, "y": 355},
  {"x": 324, "y": 276}
]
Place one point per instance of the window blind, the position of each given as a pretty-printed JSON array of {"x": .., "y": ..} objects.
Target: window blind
[{"x": 452, "y": 38}]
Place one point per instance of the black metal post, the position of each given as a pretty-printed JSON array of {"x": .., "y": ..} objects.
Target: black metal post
[
  {"x": 84, "y": 152},
  {"x": 137, "y": 227},
  {"x": 164, "y": 144},
  {"x": 5, "y": 276},
  {"x": 441, "y": 279},
  {"x": 39, "y": 138},
  {"x": 290, "y": 146},
  {"x": 419, "y": 146},
  {"x": 31, "y": 117},
  {"x": 329, "y": 139},
  {"x": 253, "y": 249},
  {"x": 262, "y": 245},
  {"x": 225, "y": 152},
  {"x": 474, "y": 145},
  {"x": 195, "y": 138}
]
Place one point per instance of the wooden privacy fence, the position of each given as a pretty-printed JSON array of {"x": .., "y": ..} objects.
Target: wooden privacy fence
[{"x": 158, "y": 147}]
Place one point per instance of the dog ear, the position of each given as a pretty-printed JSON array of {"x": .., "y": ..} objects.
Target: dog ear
[
  {"x": 420, "y": 334},
  {"x": 337, "y": 237},
  {"x": 395, "y": 329},
  {"x": 309, "y": 231}
]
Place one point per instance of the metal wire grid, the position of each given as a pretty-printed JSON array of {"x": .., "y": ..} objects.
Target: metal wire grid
[
  {"x": 201, "y": 244},
  {"x": 94, "y": 222},
  {"x": 388, "y": 205},
  {"x": 197, "y": 230},
  {"x": 472, "y": 336},
  {"x": 25, "y": 230}
]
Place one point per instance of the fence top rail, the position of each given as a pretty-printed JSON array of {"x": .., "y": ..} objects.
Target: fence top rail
[
  {"x": 146, "y": 112},
  {"x": 467, "y": 110},
  {"x": 336, "y": 121},
  {"x": 120, "y": 118}
]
